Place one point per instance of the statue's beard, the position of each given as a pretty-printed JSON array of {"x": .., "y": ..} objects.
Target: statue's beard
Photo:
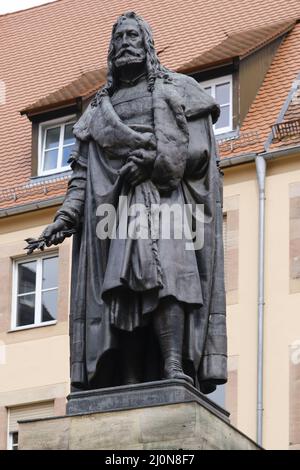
[{"x": 129, "y": 56}]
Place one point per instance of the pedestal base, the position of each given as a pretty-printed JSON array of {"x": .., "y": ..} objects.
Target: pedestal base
[
  {"x": 157, "y": 416},
  {"x": 163, "y": 392}
]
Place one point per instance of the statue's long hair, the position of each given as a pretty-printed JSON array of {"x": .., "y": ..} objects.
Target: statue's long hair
[{"x": 153, "y": 65}]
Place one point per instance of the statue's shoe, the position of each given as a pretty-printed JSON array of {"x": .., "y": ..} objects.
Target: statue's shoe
[{"x": 178, "y": 374}]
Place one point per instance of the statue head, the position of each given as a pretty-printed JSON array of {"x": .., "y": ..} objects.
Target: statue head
[
  {"x": 131, "y": 43},
  {"x": 128, "y": 41}
]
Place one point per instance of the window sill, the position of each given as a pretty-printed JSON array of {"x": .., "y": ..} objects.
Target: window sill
[
  {"x": 47, "y": 177},
  {"x": 227, "y": 135},
  {"x": 31, "y": 327}
]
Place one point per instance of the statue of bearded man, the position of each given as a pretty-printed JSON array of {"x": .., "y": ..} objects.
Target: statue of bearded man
[{"x": 144, "y": 308}]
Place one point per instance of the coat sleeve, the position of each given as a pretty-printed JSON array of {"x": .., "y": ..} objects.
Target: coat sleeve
[
  {"x": 201, "y": 111},
  {"x": 198, "y": 103},
  {"x": 73, "y": 205}
]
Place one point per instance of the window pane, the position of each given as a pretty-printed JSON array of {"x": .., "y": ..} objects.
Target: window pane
[
  {"x": 15, "y": 439},
  {"x": 223, "y": 93},
  {"x": 208, "y": 89},
  {"x": 69, "y": 137},
  {"x": 26, "y": 277},
  {"x": 49, "y": 305},
  {"x": 50, "y": 160},
  {"x": 224, "y": 119},
  {"x": 66, "y": 155},
  {"x": 50, "y": 272},
  {"x": 25, "y": 310},
  {"x": 52, "y": 137}
]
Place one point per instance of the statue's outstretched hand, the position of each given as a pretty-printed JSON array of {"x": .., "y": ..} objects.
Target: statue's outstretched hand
[
  {"x": 53, "y": 234},
  {"x": 56, "y": 232}
]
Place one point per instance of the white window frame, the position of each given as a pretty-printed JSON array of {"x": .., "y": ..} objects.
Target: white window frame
[
  {"x": 219, "y": 81},
  {"x": 10, "y": 433},
  {"x": 38, "y": 293},
  {"x": 10, "y": 440},
  {"x": 43, "y": 126}
]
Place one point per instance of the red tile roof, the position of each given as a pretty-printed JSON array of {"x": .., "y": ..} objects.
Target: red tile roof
[
  {"x": 48, "y": 47},
  {"x": 236, "y": 45},
  {"x": 86, "y": 85},
  {"x": 239, "y": 44}
]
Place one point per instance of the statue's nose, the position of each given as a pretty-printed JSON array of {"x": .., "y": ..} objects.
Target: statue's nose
[{"x": 125, "y": 41}]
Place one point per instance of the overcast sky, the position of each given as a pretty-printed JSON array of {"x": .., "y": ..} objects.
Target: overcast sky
[{"x": 14, "y": 5}]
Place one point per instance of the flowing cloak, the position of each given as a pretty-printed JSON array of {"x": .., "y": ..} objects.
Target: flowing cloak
[{"x": 109, "y": 276}]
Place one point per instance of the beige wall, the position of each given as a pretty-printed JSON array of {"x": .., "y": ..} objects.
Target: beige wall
[
  {"x": 282, "y": 308},
  {"x": 282, "y": 321},
  {"x": 241, "y": 182}
]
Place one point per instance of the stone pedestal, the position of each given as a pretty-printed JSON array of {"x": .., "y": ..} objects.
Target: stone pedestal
[{"x": 154, "y": 416}]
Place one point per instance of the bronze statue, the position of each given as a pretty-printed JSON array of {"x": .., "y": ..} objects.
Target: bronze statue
[{"x": 144, "y": 309}]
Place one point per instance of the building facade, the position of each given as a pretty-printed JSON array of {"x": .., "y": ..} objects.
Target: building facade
[{"x": 53, "y": 62}]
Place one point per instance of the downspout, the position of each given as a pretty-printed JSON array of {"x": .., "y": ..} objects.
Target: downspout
[{"x": 261, "y": 175}]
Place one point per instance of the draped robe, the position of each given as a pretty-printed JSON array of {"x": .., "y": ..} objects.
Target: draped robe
[{"x": 118, "y": 284}]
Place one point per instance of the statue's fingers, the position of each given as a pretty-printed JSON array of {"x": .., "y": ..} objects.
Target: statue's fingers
[
  {"x": 125, "y": 168},
  {"x": 137, "y": 180},
  {"x": 53, "y": 237},
  {"x": 68, "y": 234},
  {"x": 135, "y": 159},
  {"x": 130, "y": 171},
  {"x": 55, "y": 240},
  {"x": 134, "y": 183},
  {"x": 150, "y": 140},
  {"x": 49, "y": 241},
  {"x": 127, "y": 177},
  {"x": 132, "y": 175},
  {"x": 60, "y": 237},
  {"x": 134, "y": 170},
  {"x": 137, "y": 154},
  {"x": 45, "y": 234},
  {"x": 152, "y": 143}
]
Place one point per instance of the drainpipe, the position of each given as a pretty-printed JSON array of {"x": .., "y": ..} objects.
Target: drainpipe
[{"x": 261, "y": 174}]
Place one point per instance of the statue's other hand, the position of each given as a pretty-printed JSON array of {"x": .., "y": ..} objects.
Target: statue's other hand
[
  {"x": 134, "y": 174},
  {"x": 151, "y": 141},
  {"x": 143, "y": 158},
  {"x": 53, "y": 233}
]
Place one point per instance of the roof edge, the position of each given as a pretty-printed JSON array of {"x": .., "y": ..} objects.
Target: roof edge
[
  {"x": 273, "y": 38},
  {"x": 43, "y": 109},
  {"x": 199, "y": 63},
  {"x": 96, "y": 77},
  {"x": 241, "y": 159},
  {"x": 31, "y": 206}
]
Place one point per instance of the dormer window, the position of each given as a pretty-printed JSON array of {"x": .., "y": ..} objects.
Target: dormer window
[
  {"x": 56, "y": 141},
  {"x": 221, "y": 89}
]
